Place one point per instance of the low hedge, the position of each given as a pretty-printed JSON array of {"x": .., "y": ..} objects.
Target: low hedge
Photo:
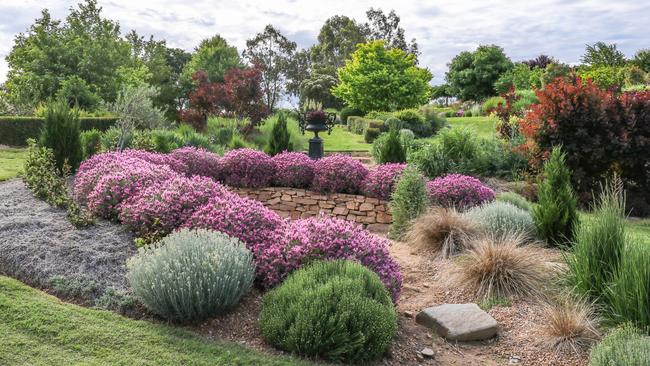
[
  {"x": 359, "y": 124},
  {"x": 14, "y": 131}
]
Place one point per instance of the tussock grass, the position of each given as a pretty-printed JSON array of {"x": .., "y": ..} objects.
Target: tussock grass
[
  {"x": 570, "y": 325},
  {"x": 442, "y": 231}
]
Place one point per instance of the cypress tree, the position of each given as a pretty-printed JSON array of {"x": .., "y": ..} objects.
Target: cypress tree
[{"x": 280, "y": 139}]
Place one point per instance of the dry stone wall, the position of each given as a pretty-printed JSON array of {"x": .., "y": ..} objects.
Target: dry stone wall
[{"x": 295, "y": 203}]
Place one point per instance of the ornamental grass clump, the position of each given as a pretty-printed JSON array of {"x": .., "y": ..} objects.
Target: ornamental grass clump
[
  {"x": 442, "y": 232},
  {"x": 293, "y": 169},
  {"x": 164, "y": 205},
  {"x": 459, "y": 191},
  {"x": 501, "y": 218},
  {"x": 624, "y": 346},
  {"x": 381, "y": 180},
  {"x": 408, "y": 201},
  {"x": 324, "y": 238},
  {"x": 570, "y": 325},
  {"x": 191, "y": 275},
  {"x": 339, "y": 173},
  {"x": 247, "y": 168},
  {"x": 503, "y": 267},
  {"x": 198, "y": 161},
  {"x": 336, "y": 310}
]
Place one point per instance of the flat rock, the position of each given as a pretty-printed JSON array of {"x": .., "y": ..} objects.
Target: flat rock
[{"x": 459, "y": 322}]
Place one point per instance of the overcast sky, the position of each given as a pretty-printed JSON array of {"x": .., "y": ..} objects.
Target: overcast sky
[{"x": 524, "y": 28}]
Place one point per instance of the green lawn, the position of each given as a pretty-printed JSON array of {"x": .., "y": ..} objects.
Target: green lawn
[
  {"x": 483, "y": 126},
  {"x": 11, "y": 162},
  {"x": 38, "y": 329},
  {"x": 639, "y": 229}
]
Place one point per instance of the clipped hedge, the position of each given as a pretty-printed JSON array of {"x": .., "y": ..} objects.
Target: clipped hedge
[
  {"x": 359, "y": 124},
  {"x": 14, "y": 131}
]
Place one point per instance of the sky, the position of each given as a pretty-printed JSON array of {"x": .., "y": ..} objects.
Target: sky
[{"x": 525, "y": 29}]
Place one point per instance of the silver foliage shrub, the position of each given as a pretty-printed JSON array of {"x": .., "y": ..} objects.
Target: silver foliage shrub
[
  {"x": 191, "y": 275},
  {"x": 501, "y": 218}
]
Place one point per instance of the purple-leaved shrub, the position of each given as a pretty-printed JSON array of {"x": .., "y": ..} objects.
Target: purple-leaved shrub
[
  {"x": 339, "y": 173},
  {"x": 459, "y": 191}
]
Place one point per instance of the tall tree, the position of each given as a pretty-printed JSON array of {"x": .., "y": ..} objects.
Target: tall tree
[
  {"x": 603, "y": 54},
  {"x": 642, "y": 59},
  {"x": 86, "y": 45},
  {"x": 298, "y": 70},
  {"x": 337, "y": 40},
  {"x": 472, "y": 75},
  {"x": 381, "y": 79},
  {"x": 387, "y": 28},
  {"x": 214, "y": 56},
  {"x": 271, "y": 52}
]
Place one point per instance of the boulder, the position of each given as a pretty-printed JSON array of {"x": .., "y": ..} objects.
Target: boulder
[{"x": 459, "y": 322}]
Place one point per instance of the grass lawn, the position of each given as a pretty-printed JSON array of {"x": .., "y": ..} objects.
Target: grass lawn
[
  {"x": 38, "y": 329},
  {"x": 639, "y": 229},
  {"x": 11, "y": 162},
  {"x": 483, "y": 126}
]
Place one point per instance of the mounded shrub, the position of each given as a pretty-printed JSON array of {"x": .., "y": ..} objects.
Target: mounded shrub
[
  {"x": 242, "y": 218},
  {"x": 328, "y": 238},
  {"x": 459, "y": 191},
  {"x": 90, "y": 143},
  {"x": 624, "y": 346},
  {"x": 391, "y": 150},
  {"x": 408, "y": 201},
  {"x": 502, "y": 218},
  {"x": 347, "y": 112},
  {"x": 191, "y": 275},
  {"x": 339, "y": 173},
  {"x": 164, "y": 205},
  {"x": 413, "y": 120},
  {"x": 515, "y": 199},
  {"x": 370, "y": 134},
  {"x": 198, "y": 161},
  {"x": 556, "y": 213},
  {"x": 293, "y": 169},
  {"x": 247, "y": 168},
  {"x": 336, "y": 310},
  {"x": 381, "y": 180}
]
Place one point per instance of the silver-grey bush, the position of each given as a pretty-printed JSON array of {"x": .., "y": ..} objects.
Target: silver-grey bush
[
  {"x": 191, "y": 275},
  {"x": 500, "y": 218}
]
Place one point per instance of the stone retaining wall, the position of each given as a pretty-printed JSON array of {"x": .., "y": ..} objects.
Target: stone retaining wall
[{"x": 300, "y": 203}]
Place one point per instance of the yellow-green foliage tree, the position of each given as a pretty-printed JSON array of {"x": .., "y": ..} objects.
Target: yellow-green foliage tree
[{"x": 380, "y": 79}]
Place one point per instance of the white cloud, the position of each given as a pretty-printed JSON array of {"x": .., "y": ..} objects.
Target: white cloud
[{"x": 524, "y": 28}]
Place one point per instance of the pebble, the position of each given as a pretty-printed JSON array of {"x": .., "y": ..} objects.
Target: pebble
[
  {"x": 427, "y": 352},
  {"x": 408, "y": 314},
  {"x": 514, "y": 360}
]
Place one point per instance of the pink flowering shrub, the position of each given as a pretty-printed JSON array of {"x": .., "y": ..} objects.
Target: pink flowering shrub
[
  {"x": 339, "y": 173},
  {"x": 460, "y": 191},
  {"x": 380, "y": 181},
  {"x": 247, "y": 168},
  {"x": 113, "y": 188},
  {"x": 324, "y": 238},
  {"x": 198, "y": 161},
  {"x": 165, "y": 205},
  {"x": 293, "y": 169},
  {"x": 243, "y": 218},
  {"x": 155, "y": 158}
]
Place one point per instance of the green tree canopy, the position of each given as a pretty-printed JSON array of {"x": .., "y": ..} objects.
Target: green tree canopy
[
  {"x": 603, "y": 54},
  {"x": 642, "y": 59},
  {"x": 380, "y": 79},
  {"x": 214, "y": 56},
  {"x": 472, "y": 75},
  {"x": 337, "y": 40}
]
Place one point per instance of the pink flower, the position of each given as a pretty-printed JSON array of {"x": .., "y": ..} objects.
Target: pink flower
[
  {"x": 293, "y": 169},
  {"x": 460, "y": 191},
  {"x": 198, "y": 161},
  {"x": 247, "y": 168},
  {"x": 380, "y": 181},
  {"x": 339, "y": 173}
]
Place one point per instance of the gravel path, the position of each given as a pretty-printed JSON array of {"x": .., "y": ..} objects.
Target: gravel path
[{"x": 40, "y": 247}]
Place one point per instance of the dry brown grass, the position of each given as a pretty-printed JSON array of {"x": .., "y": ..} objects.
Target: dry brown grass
[
  {"x": 570, "y": 325},
  {"x": 441, "y": 231},
  {"x": 503, "y": 266}
]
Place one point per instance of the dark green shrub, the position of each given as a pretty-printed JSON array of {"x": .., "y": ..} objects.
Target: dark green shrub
[
  {"x": 91, "y": 143},
  {"x": 142, "y": 140},
  {"x": 556, "y": 214},
  {"x": 382, "y": 116},
  {"x": 223, "y": 135},
  {"x": 624, "y": 346},
  {"x": 165, "y": 141},
  {"x": 370, "y": 134},
  {"x": 337, "y": 310},
  {"x": 111, "y": 138},
  {"x": 392, "y": 150},
  {"x": 629, "y": 293},
  {"x": 191, "y": 275},
  {"x": 433, "y": 118},
  {"x": 279, "y": 140},
  {"x": 14, "y": 131},
  {"x": 347, "y": 112},
  {"x": 409, "y": 200},
  {"x": 393, "y": 122},
  {"x": 598, "y": 245},
  {"x": 413, "y": 120},
  {"x": 61, "y": 134},
  {"x": 378, "y": 124}
]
